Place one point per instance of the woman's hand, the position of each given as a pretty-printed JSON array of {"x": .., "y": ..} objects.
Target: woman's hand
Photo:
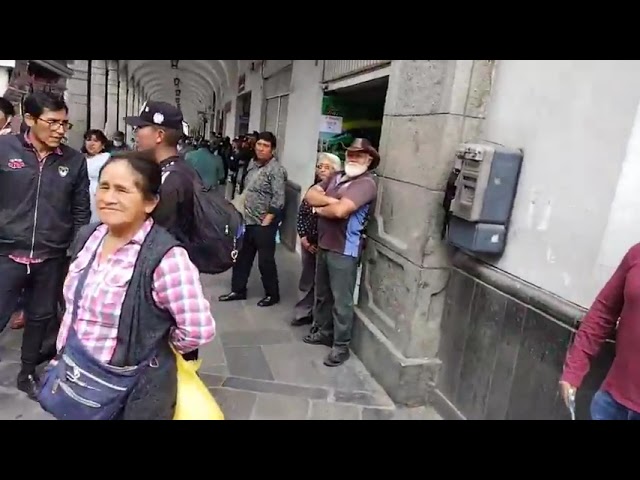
[
  {"x": 568, "y": 393},
  {"x": 308, "y": 246}
]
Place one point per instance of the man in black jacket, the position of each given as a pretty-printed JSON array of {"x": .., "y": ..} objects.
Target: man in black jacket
[
  {"x": 158, "y": 131},
  {"x": 44, "y": 200}
]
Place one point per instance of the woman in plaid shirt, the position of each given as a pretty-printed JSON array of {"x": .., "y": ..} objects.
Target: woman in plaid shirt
[{"x": 127, "y": 194}]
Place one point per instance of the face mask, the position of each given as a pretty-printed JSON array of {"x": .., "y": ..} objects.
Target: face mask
[
  {"x": 117, "y": 143},
  {"x": 353, "y": 170}
]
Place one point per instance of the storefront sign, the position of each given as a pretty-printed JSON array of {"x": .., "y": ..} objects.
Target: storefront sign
[{"x": 331, "y": 124}]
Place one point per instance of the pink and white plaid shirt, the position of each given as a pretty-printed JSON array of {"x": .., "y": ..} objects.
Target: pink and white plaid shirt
[{"x": 176, "y": 288}]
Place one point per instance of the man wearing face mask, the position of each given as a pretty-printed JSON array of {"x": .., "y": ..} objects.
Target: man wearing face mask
[
  {"x": 7, "y": 112},
  {"x": 158, "y": 131},
  {"x": 118, "y": 144},
  {"x": 342, "y": 203}
]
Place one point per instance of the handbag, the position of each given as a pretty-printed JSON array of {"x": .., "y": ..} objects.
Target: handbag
[{"x": 77, "y": 386}]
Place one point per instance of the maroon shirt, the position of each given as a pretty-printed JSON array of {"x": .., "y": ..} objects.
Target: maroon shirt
[
  {"x": 345, "y": 236},
  {"x": 619, "y": 299}
]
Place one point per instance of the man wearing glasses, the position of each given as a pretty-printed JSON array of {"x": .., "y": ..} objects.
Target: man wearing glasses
[{"x": 44, "y": 200}]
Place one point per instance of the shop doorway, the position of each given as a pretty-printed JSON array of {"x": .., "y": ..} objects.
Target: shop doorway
[
  {"x": 352, "y": 112},
  {"x": 244, "y": 112}
]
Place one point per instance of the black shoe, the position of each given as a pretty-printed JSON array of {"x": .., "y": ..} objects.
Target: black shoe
[
  {"x": 28, "y": 384},
  {"x": 337, "y": 356},
  {"x": 230, "y": 297},
  {"x": 268, "y": 301},
  {"x": 299, "y": 322},
  {"x": 316, "y": 338}
]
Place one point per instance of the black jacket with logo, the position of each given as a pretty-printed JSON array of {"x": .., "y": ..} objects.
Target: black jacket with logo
[
  {"x": 174, "y": 212},
  {"x": 40, "y": 211}
]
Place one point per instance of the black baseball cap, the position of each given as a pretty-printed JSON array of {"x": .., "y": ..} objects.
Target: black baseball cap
[{"x": 159, "y": 114}]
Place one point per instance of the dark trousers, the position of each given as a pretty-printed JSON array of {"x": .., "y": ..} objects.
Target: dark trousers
[
  {"x": 41, "y": 284},
  {"x": 335, "y": 283},
  {"x": 260, "y": 240},
  {"x": 51, "y": 335},
  {"x": 304, "y": 307},
  {"x": 49, "y": 348}
]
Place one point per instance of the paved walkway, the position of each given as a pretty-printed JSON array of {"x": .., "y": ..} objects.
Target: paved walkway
[{"x": 258, "y": 367}]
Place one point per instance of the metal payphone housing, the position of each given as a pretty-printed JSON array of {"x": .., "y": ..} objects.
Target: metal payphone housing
[{"x": 485, "y": 191}]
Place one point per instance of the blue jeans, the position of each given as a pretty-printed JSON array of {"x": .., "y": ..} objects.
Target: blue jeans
[{"x": 604, "y": 407}]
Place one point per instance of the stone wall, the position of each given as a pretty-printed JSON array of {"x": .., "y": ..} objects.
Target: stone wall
[
  {"x": 503, "y": 345},
  {"x": 431, "y": 106},
  {"x": 76, "y": 97}
]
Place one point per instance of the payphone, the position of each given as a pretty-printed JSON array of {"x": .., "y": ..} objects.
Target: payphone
[{"x": 485, "y": 190}]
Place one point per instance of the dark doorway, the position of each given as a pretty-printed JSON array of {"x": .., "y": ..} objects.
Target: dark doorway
[
  {"x": 361, "y": 109},
  {"x": 243, "y": 113}
]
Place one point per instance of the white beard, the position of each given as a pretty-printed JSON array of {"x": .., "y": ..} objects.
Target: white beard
[{"x": 353, "y": 170}]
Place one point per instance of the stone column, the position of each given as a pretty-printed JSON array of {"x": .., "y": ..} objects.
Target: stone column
[
  {"x": 130, "y": 107},
  {"x": 431, "y": 106},
  {"x": 123, "y": 102},
  {"x": 76, "y": 98},
  {"x": 4, "y": 79},
  {"x": 112, "y": 97},
  {"x": 97, "y": 94},
  {"x": 138, "y": 103}
]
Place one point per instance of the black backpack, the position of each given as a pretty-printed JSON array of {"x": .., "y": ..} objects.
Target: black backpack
[{"x": 217, "y": 231}]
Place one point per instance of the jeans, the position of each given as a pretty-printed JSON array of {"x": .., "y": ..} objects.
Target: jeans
[
  {"x": 605, "y": 407},
  {"x": 335, "y": 283}
]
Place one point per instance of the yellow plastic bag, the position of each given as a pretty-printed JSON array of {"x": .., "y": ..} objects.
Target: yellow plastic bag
[{"x": 194, "y": 401}]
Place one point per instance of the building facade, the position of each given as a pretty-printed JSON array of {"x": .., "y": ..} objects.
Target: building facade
[{"x": 480, "y": 337}]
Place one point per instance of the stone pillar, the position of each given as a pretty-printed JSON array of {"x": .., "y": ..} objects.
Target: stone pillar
[
  {"x": 76, "y": 98},
  {"x": 4, "y": 79},
  {"x": 138, "y": 102},
  {"x": 112, "y": 96},
  {"x": 431, "y": 106},
  {"x": 98, "y": 94},
  {"x": 130, "y": 109},
  {"x": 123, "y": 103}
]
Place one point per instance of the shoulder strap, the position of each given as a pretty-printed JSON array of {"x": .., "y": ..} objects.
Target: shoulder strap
[
  {"x": 155, "y": 246},
  {"x": 81, "y": 239}
]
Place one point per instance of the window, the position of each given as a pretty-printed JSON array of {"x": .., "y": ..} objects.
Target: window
[{"x": 276, "y": 92}]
